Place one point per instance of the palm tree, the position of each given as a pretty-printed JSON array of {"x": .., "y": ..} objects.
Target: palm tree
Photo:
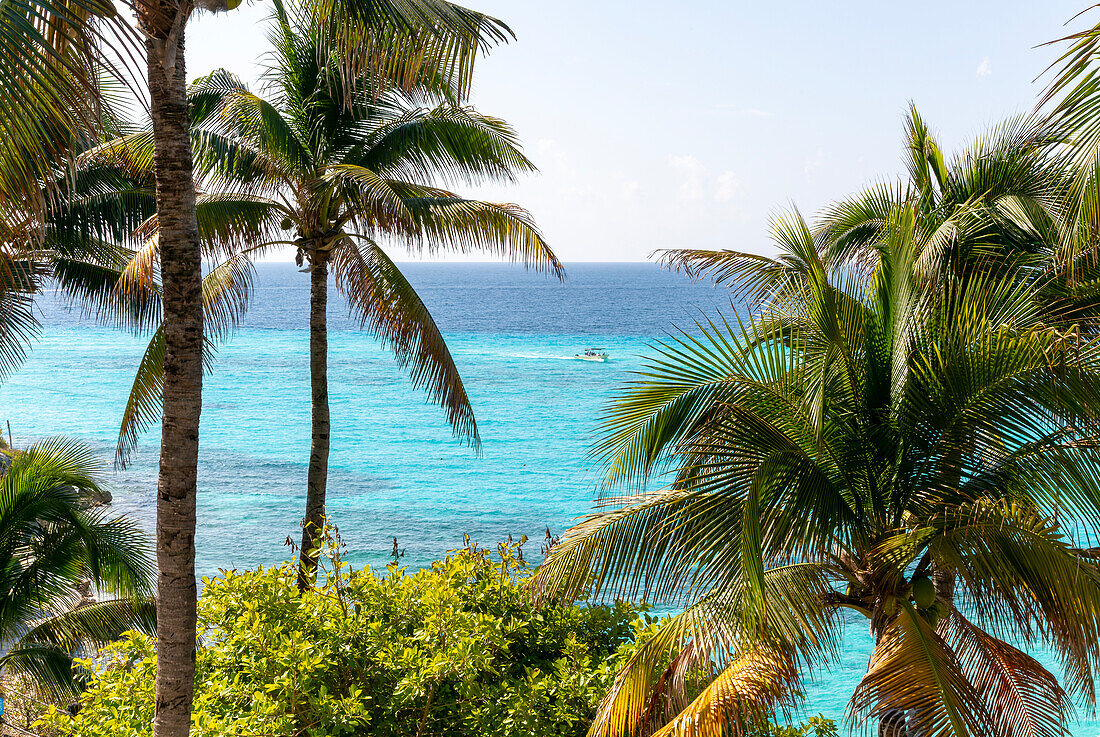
[
  {"x": 884, "y": 445},
  {"x": 402, "y": 40},
  {"x": 345, "y": 168},
  {"x": 51, "y": 66},
  {"x": 51, "y": 544}
]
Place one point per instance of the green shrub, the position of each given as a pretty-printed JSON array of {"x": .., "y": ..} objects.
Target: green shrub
[
  {"x": 817, "y": 726},
  {"x": 456, "y": 649}
]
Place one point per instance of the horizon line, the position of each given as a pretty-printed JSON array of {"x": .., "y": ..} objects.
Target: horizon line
[{"x": 481, "y": 263}]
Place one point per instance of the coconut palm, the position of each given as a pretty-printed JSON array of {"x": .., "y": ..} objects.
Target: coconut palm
[
  {"x": 405, "y": 40},
  {"x": 335, "y": 170},
  {"x": 51, "y": 546},
  {"x": 875, "y": 446},
  {"x": 51, "y": 67},
  {"x": 348, "y": 172}
]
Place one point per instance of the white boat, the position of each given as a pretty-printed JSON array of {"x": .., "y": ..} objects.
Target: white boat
[{"x": 592, "y": 354}]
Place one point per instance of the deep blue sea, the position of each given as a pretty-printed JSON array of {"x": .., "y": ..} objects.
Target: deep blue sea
[{"x": 395, "y": 468}]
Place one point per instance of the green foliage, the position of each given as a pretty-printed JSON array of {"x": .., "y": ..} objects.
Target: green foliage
[
  {"x": 54, "y": 550},
  {"x": 460, "y": 648},
  {"x": 891, "y": 420},
  {"x": 816, "y": 726}
]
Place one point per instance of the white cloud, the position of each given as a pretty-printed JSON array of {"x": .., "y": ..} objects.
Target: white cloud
[
  {"x": 691, "y": 171},
  {"x": 984, "y": 69},
  {"x": 728, "y": 187},
  {"x": 629, "y": 190}
]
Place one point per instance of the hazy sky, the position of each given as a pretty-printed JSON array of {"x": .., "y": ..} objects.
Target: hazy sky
[{"x": 686, "y": 124}]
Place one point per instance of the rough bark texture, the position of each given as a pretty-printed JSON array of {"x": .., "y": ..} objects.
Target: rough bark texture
[
  {"x": 317, "y": 476},
  {"x": 181, "y": 271},
  {"x": 944, "y": 583}
]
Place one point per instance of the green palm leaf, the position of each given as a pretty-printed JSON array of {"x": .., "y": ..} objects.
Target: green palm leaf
[
  {"x": 453, "y": 223},
  {"x": 51, "y": 543},
  {"x": 226, "y": 290},
  {"x": 379, "y": 296}
]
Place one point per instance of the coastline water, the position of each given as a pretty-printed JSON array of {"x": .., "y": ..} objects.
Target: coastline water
[{"x": 396, "y": 470}]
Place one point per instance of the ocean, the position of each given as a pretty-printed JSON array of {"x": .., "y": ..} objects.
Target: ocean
[{"x": 395, "y": 469}]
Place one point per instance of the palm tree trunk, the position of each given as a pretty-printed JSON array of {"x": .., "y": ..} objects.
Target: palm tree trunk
[
  {"x": 317, "y": 476},
  {"x": 181, "y": 271},
  {"x": 944, "y": 583}
]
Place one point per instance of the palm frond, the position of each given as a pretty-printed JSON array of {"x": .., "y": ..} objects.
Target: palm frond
[
  {"x": 46, "y": 666},
  {"x": 96, "y": 623},
  {"x": 373, "y": 197},
  {"x": 143, "y": 404},
  {"x": 54, "y": 544},
  {"x": 247, "y": 117},
  {"x": 740, "y": 697},
  {"x": 108, "y": 291},
  {"x": 751, "y": 277},
  {"x": 379, "y": 295},
  {"x": 1072, "y": 96},
  {"x": 1022, "y": 577},
  {"x": 226, "y": 290},
  {"x": 457, "y": 144},
  {"x": 52, "y": 70},
  {"x": 695, "y": 672},
  {"x": 1022, "y": 697},
  {"x": 915, "y": 680},
  {"x": 504, "y": 230},
  {"x": 228, "y": 224},
  {"x": 19, "y": 283},
  {"x": 403, "y": 43}
]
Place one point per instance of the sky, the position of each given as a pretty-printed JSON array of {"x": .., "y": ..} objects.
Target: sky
[{"x": 687, "y": 125}]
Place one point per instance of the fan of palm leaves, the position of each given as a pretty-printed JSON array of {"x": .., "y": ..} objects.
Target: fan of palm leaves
[
  {"x": 51, "y": 543},
  {"x": 860, "y": 443},
  {"x": 334, "y": 170}
]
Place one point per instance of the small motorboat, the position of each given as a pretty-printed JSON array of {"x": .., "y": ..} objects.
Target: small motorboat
[{"x": 592, "y": 354}]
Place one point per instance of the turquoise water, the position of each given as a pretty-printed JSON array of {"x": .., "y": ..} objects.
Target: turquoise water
[{"x": 395, "y": 468}]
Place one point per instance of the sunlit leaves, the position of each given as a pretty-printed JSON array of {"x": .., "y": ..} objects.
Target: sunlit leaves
[
  {"x": 458, "y": 648},
  {"x": 892, "y": 409}
]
